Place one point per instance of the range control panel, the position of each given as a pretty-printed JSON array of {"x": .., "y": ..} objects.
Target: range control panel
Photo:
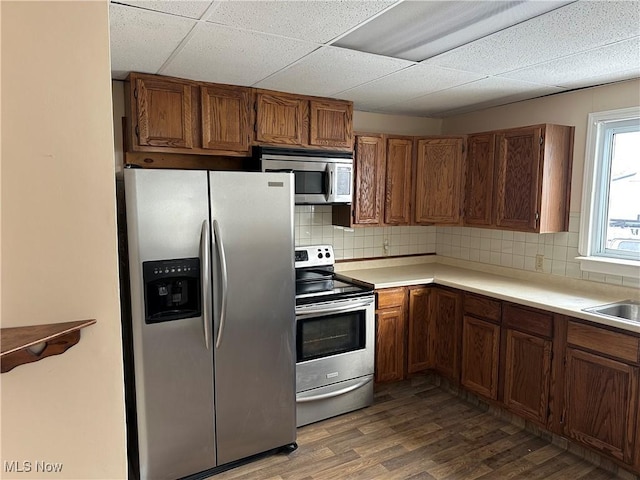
[{"x": 314, "y": 256}]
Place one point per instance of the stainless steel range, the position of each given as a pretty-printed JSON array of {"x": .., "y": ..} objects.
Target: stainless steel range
[{"x": 335, "y": 323}]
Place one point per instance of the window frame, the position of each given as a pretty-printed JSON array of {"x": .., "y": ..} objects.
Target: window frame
[{"x": 593, "y": 258}]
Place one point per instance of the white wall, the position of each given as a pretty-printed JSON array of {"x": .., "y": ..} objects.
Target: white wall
[
  {"x": 59, "y": 254},
  {"x": 518, "y": 250}
]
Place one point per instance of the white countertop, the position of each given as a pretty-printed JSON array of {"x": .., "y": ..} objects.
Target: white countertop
[{"x": 560, "y": 295}]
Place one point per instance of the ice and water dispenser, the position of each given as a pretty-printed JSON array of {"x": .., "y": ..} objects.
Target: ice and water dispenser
[{"x": 172, "y": 289}]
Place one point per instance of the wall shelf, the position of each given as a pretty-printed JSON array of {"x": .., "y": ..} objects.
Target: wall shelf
[{"x": 20, "y": 345}]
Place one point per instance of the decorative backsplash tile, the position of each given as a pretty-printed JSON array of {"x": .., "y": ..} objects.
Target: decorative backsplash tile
[
  {"x": 313, "y": 226},
  {"x": 552, "y": 253}
]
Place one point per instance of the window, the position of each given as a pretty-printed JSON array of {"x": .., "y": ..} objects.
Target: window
[{"x": 610, "y": 227}]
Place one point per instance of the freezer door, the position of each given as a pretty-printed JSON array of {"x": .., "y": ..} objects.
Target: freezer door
[
  {"x": 254, "y": 311},
  {"x": 173, "y": 370}
]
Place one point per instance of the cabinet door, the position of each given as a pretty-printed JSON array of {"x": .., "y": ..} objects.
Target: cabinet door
[
  {"x": 601, "y": 403},
  {"x": 480, "y": 355},
  {"x": 280, "y": 119},
  {"x": 225, "y": 117},
  {"x": 518, "y": 178},
  {"x": 331, "y": 124},
  {"x": 444, "y": 332},
  {"x": 479, "y": 180},
  {"x": 397, "y": 202},
  {"x": 163, "y": 113},
  {"x": 438, "y": 176},
  {"x": 369, "y": 180},
  {"x": 418, "y": 335},
  {"x": 527, "y": 375},
  {"x": 389, "y": 344}
]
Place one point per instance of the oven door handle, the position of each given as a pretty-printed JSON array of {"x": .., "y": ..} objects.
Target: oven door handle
[
  {"x": 336, "y": 393},
  {"x": 334, "y": 309}
]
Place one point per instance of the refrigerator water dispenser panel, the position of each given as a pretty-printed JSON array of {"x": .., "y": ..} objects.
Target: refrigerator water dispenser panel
[{"x": 172, "y": 289}]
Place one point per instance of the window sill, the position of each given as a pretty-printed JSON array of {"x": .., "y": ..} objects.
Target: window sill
[{"x": 610, "y": 266}]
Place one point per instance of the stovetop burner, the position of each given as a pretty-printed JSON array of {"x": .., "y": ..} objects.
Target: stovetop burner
[{"x": 316, "y": 280}]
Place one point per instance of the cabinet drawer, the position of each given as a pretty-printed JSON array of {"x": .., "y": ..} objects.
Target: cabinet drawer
[
  {"x": 528, "y": 320},
  {"x": 614, "y": 344},
  {"x": 482, "y": 307},
  {"x": 390, "y": 297}
]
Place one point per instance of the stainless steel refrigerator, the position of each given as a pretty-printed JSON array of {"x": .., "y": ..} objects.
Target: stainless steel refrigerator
[{"x": 211, "y": 327}]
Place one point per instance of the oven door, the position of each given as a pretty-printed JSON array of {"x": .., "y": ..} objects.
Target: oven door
[{"x": 334, "y": 341}]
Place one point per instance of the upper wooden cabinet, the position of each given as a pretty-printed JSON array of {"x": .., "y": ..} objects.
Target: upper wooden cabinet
[
  {"x": 438, "y": 180},
  {"x": 169, "y": 115},
  {"x": 176, "y": 116},
  {"x": 382, "y": 182},
  {"x": 479, "y": 180},
  {"x": 163, "y": 108},
  {"x": 294, "y": 120},
  {"x": 369, "y": 178},
  {"x": 280, "y": 118},
  {"x": 331, "y": 123},
  {"x": 397, "y": 199},
  {"x": 226, "y": 118},
  {"x": 532, "y": 171}
]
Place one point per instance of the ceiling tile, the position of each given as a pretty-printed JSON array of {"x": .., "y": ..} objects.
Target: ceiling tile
[
  {"x": 415, "y": 81},
  {"x": 330, "y": 70},
  {"x": 182, "y": 8},
  {"x": 142, "y": 40},
  {"x": 314, "y": 21},
  {"x": 571, "y": 29},
  {"x": 473, "y": 96},
  {"x": 226, "y": 55},
  {"x": 576, "y": 70}
]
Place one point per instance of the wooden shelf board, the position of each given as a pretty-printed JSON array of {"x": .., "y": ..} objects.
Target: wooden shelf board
[{"x": 15, "y": 341}]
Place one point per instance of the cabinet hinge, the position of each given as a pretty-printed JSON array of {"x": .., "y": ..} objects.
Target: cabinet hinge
[
  {"x": 135, "y": 93},
  {"x": 537, "y": 217},
  {"x": 541, "y": 140},
  {"x": 137, "y": 131},
  {"x": 562, "y": 419}
]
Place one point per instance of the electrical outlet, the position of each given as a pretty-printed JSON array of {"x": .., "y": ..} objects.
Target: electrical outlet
[
  {"x": 539, "y": 262},
  {"x": 385, "y": 246}
]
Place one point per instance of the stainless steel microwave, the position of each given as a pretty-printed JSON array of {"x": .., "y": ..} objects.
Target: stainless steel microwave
[{"x": 321, "y": 176}]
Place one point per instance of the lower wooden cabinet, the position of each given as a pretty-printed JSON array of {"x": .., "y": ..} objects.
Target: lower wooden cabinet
[
  {"x": 390, "y": 335},
  {"x": 601, "y": 390},
  {"x": 480, "y": 356},
  {"x": 528, "y": 338},
  {"x": 565, "y": 375},
  {"x": 444, "y": 332},
  {"x": 418, "y": 353},
  {"x": 527, "y": 373}
]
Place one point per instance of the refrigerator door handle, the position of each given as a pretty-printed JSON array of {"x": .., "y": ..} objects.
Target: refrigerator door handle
[
  {"x": 204, "y": 277},
  {"x": 224, "y": 279}
]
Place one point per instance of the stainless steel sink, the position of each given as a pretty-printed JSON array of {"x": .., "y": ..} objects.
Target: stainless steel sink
[{"x": 626, "y": 309}]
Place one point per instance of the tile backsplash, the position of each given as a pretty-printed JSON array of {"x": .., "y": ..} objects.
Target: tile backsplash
[
  {"x": 313, "y": 226},
  {"x": 494, "y": 247},
  {"x": 519, "y": 250}
]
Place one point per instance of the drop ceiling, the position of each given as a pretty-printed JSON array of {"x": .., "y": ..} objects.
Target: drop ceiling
[{"x": 421, "y": 58}]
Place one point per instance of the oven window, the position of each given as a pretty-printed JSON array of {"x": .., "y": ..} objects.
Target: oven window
[
  {"x": 330, "y": 335},
  {"x": 309, "y": 182}
]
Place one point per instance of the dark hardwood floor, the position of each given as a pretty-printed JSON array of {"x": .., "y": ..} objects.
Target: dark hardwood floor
[{"x": 417, "y": 431}]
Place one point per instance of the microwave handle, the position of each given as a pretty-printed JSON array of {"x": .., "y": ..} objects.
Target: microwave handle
[{"x": 329, "y": 178}]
